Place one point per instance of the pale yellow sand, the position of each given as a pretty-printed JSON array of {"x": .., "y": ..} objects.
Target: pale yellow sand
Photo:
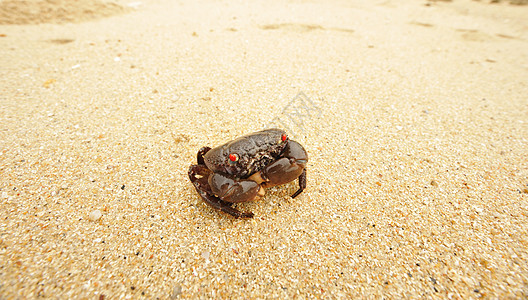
[{"x": 418, "y": 171}]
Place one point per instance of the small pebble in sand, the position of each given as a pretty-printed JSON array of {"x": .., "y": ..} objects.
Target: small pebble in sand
[
  {"x": 434, "y": 183},
  {"x": 176, "y": 291},
  {"x": 47, "y": 84},
  {"x": 96, "y": 215}
]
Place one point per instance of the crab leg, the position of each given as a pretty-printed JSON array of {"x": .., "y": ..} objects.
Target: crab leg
[
  {"x": 200, "y": 155},
  {"x": 302, "y": 184}
]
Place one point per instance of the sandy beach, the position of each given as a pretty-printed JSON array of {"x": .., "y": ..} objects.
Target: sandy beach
[{"x": 414, "y": 115}]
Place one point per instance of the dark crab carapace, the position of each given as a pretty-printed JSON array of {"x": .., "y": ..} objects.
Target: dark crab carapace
[{"x": 240, "y": 170}]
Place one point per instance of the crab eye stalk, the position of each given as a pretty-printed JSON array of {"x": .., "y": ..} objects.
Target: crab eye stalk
[{"x": 233, "y": 157}]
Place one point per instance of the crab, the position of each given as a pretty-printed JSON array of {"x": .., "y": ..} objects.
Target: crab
[{"x": 240, "y": 170}]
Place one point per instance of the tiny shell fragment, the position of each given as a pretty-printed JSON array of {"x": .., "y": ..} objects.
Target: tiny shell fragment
[{"x": 95, "y": 215}]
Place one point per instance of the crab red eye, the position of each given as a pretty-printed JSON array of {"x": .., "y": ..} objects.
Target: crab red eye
[
  {"x": 283, "y": 137},
  {"x": 233, "y": 157}
]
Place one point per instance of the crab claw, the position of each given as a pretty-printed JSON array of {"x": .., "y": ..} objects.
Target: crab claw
[
  {"x": 234, "y": 191},
  {"x": 199, "y": 175},
  {"x": 291, "y": 166}
]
